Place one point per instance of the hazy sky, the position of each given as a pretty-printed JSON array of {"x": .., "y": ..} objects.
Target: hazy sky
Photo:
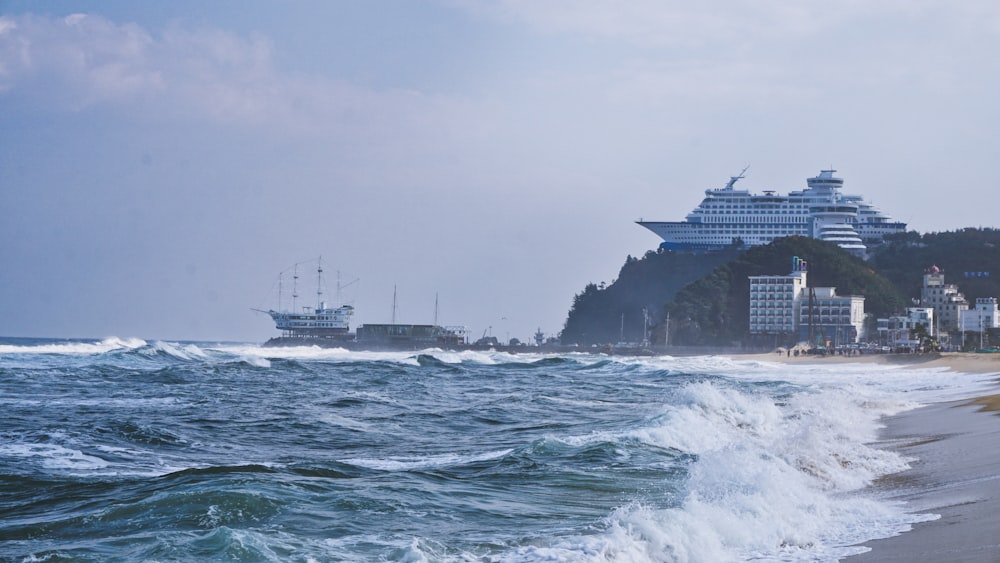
[{"x": 162, "y": 162}]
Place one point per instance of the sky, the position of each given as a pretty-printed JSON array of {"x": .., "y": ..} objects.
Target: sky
[{"x": 162, "y": 162}]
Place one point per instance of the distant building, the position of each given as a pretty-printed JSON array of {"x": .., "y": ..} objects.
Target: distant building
[
  {"x": 984, "y": 317},
  {"x": 834, "y": 318},
  {"x": 774, "y": 301},
  {"x": 897, "y": 331},
  {"x": 785, "y": 305},
  {"x": 921, "y": 316},
  {"x": 947, "y": 302}
]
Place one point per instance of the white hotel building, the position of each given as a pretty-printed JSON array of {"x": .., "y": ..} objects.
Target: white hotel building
[{"x": 785, "y": 305}]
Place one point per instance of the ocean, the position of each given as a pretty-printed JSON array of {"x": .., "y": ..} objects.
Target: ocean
[{"x": 128, "y": 450}]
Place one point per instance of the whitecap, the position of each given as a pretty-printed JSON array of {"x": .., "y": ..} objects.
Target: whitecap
[
  {"x": 109, "y": 344},
  {"x": 403, "y": 463}
]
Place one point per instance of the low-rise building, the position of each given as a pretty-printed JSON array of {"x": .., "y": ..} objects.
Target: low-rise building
[
  {"x": 898, "y": 331},
  {"x": 984, "y": 317},
  {"x": 831, "y": 317}
]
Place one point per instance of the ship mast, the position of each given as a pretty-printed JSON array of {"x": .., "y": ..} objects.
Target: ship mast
[
  {"x": 295, "y": 287},
  {"x": 279, "y": 290},
  {"x": 319, "y": 283},
  {"x": 394, "y": 304}
]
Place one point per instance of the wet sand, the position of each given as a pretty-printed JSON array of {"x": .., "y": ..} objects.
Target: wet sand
[{"x": 956, "y": 474}]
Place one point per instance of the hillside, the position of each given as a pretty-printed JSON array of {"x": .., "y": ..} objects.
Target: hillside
[
  {"x": 714, "y": 310},
  {"x": 969, "y": 257},
  {"x": 605, "y": 313},
  {"x": 707, "y": 297}
]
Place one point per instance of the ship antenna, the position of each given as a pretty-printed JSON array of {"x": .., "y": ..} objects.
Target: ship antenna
[{"x": 435, "y": 309}]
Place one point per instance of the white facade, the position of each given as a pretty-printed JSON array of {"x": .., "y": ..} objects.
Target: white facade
[
  {"x": 786, "y": 305},
  {"x": 916, "y": 316},
  {"x": 985, "y": 316},
  {"x": 838, "y": 318},
  {"x": 948, "y": 303},
  {"x": 774, "y": 303},
  {"x": 898, "y": 331}
]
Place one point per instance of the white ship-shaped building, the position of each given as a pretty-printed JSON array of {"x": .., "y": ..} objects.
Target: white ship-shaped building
[
  {"x": 320, "y": 321},
  {"x": 819, "y": 211}
]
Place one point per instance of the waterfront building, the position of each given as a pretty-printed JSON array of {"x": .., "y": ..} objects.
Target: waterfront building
[
  {"x": 774, "y": 301},
  {"x": 920, "y": 316},
  {"x": 784, "y": 305},
  {"x": 948, "y": 303},
  {"x": 983, "y": 317},
  {"x": 728, "y": 215},
  {"x": 830, "y": 317},
  {"x": 897, "y": 331}
]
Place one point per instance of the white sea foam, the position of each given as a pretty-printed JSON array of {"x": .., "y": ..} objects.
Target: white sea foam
[
  {"x": 76, "y": 348},
  {"x": 256, "y": 362},
  {"x": 64, "y": 459},
  {"x": 53, "y": 456},
  {"x": 313, "y": 353},
  {"x": 424, "y": 462},
  {"x": 773, "y": 479},
  {"x": 485, "y": 357}
]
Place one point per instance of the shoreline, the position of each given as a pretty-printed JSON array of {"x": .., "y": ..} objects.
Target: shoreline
[
  {"x": 955, "y": 473},
  {"x": 966, "y": 362},
  {"x": 955, "y": 467}
]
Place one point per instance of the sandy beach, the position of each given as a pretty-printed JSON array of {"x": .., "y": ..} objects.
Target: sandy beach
[
  {"x": 955, "y": 361},
  {"x": 956, "y": 472}
]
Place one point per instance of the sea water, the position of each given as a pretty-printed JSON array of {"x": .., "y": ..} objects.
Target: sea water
[{"x": 123, "y": 449}]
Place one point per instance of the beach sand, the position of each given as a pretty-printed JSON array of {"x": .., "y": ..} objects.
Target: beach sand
[
  {"x": 955, "y": 361},
  {"x": 956, "y": 472}
]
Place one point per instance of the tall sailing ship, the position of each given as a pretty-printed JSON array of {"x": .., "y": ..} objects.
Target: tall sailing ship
[
  {"x": 728, "y": 215},
  {"x": 321, "y": 325},
  {"x": 320, "y": 321}
]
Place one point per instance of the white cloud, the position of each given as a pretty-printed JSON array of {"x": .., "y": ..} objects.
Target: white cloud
[
  {"x": 83, "y": 61},
  {"x": 684, "y": 23}
]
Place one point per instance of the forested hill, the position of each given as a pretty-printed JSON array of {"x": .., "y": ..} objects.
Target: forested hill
[
  {"x": 970, "y": 258},
  {"x": 707, "y": 294},
  {"x": 602, "y": 313},
  {"x": 715, "y": 310}
]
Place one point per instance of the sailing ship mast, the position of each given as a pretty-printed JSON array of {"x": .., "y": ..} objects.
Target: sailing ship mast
[
  {"x": 394, "y": 304},
  {"x": 319, "y": 283},
  {"x": 295, "y": 287}
]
